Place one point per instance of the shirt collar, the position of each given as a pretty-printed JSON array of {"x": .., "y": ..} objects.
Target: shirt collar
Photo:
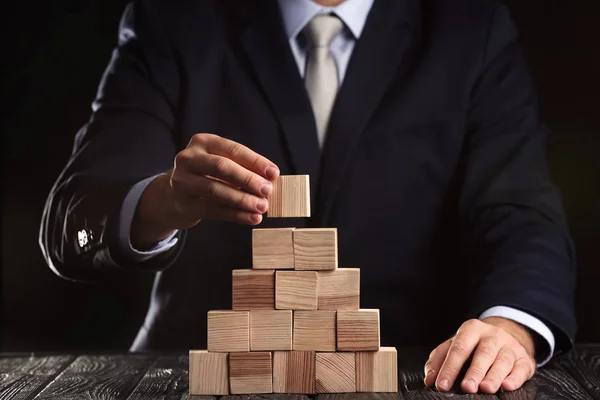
[{"x": 297, "y": 13}]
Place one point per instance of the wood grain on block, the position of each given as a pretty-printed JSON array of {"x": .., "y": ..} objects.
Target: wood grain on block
[
  {"x": 208, "y": 373},
  {"x": 339, "y": 289},
  {"x": 314, "y": 330},
  {"x": 377, "y": 371},
  {"x": 228, "y": 331},
  {"x": 315, "y": 249},
  {"x": 358, "y": 330},
  {"x": 250, "y": 373},
  {"x": 294, "y": 372},
  {"x": 296, "y": 290},
  {"x": 273, "y": 248},
  {"x": 335, "y": 372},
  {"x": 270, "y": 330},
  {"x": 290, "y": 197},
  {"x": 253, "y": 289}
]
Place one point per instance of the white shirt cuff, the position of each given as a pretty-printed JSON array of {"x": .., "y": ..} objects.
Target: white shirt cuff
[
  {"x": 125, "y": 219},
  {"x": 526, "y": 320}
]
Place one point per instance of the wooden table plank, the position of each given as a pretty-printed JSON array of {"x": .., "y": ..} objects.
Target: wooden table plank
[
  {"x": 167, "y": 379},
  {"x": 432, "y": 394},
  {"x": 23, "y": 377},
  {"x": 21, "y": 387},
  {"x": 360, "y": 396},
  {"x": 98, "y": 377},
  {"x": 584, "y": 366},
  {"x": 527, "y": 392},
  {"x": 34, "y": 364},
  {"x": 556, "y": 384},
  {"x": 260, "y": 397}
]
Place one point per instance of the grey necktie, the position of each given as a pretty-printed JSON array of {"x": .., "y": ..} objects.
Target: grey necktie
[{"x": 321, "y": 76}]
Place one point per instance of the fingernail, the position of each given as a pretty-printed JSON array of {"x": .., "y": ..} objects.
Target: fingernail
[
  {"x": 444, "y": 384},
  {"x": 266, "y": 188},
  {"x": 272, "y": 172},
  {"x": 470, "y": 384},
  {"x": 256, "y": 218},
  {"x": 261, "y": 205}
]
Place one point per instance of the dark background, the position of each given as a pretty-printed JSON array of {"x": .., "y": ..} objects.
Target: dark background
[{"x": 53, "y": 58}]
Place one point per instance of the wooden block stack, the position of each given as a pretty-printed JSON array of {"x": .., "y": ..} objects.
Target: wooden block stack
[{"x": 296, "y": 325}]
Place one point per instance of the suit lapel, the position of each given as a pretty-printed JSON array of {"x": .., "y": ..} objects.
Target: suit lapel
[
  {"x": 374, "y": 64},
  {"x": 268, "y": 50}
]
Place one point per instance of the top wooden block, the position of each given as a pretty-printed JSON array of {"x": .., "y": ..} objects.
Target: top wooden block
[{"x": 290, "y": 197}]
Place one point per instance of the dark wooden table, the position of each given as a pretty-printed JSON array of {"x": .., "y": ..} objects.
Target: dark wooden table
[{"x": 165, "y": 376}]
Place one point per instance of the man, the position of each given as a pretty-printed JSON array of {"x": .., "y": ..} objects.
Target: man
[{"x": 417, "y": 123}]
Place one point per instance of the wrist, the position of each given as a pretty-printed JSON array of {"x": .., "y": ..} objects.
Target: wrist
[{"x": 150, "y": 223}]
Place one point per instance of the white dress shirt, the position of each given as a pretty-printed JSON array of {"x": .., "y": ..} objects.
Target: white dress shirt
[{"x": 296, "y": 14}]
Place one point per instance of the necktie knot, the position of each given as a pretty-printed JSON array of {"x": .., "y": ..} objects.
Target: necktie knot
[{"x": 322, "y": 29}]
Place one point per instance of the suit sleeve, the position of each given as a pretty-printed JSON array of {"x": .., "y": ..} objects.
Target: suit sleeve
[
  {"x": 512, "y": 213},
  {"x": 130, "y": 136}
]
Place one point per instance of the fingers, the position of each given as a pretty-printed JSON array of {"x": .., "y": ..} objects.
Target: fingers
[
  {"x": 522, "y": 371},
  {"x": 217, "y": 178},
  {"x": 460, "y": 350},
  {"x": 196, "y": 187},
  {"x": 502, "y": 366},
  {"x": 228, "y": 171},
  {"x": 498, "y": 360},
  {"x": 483, "y": 358},
  {"x": 435, "y": 361},
  {"x": 237, "y": 152}
]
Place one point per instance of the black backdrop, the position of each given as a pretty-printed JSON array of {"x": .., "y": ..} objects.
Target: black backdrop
[{"x": 53, "y": 58}]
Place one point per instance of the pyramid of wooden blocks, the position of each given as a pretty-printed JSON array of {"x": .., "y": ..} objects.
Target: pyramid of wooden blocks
[{"x": 296, "y": 325}]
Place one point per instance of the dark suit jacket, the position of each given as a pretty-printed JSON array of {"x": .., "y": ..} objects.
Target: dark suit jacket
[{"x": 433, "y": 170}]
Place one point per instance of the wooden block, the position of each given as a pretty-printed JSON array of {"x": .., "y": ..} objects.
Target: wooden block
[
  {"x": 273, "y": 248},
  {"x": 294, "y": 372},
  {"x": 358, "y": 330},
  {"x": 228, "y": 331},
  {"x": 314, "y": 330},
  {"x": 296, "y": 290},
  {"x": 339, "y": 289},
  {"x": 270, "y": 330},
  {"x": 208, "y": 373},
  {"x": 250, "y": 373},
  {"x": 335, "y": 372},
  {"x": 315, "y": 249},
  {"x": 377, "y": 371},
  {"x": 290, "y": 197},
  {"x": 253, "y": 289}
]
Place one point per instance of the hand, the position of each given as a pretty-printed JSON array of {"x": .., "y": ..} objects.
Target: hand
[
  {"x": 212, "y": 178},
  {"x": 503, "y": 356}
]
